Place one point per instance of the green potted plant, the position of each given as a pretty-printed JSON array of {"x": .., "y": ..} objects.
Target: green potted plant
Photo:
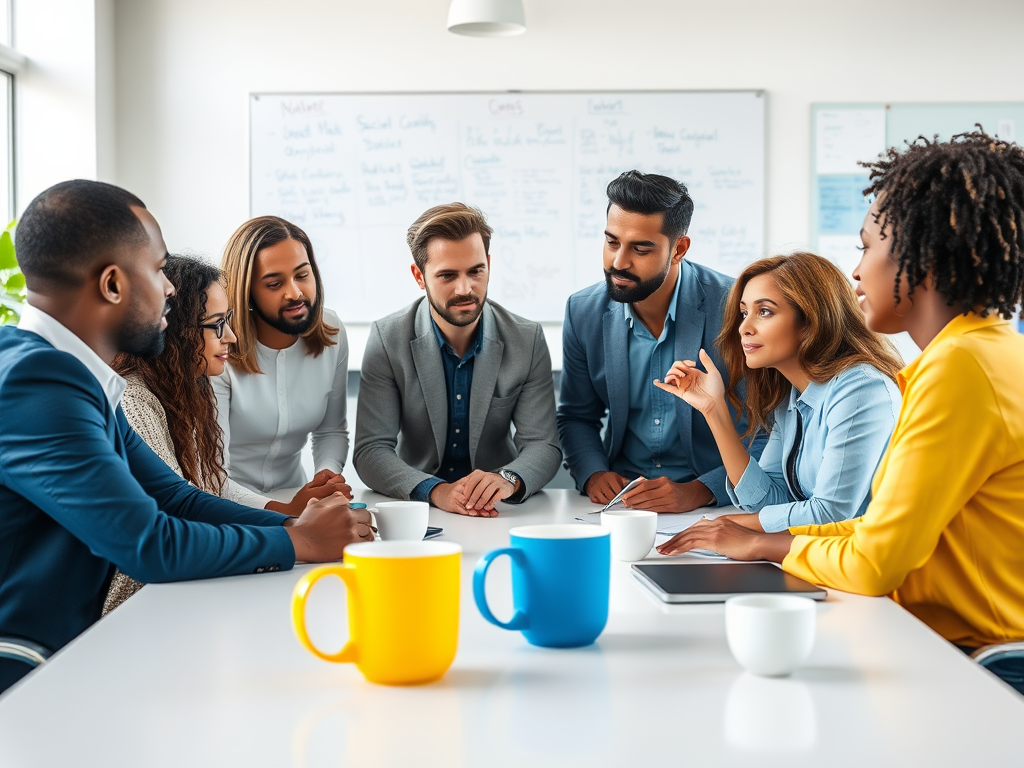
[{"x": 12, "y": 281}]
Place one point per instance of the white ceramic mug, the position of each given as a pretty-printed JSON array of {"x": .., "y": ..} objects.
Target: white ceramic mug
[
  {"x": 632, "y": 530},
  {"x": 401, "y": 520},
  {"x": 770, "y": 635}
]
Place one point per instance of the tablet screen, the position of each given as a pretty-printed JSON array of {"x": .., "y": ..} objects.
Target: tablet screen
[{"x": 716, "y": 582}]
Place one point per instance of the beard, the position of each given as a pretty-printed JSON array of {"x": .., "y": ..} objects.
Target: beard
[
  {"x": 638, "y": 292},
  {"x": 141, "y": 338},
  {"x": 290, "y": 327},
  {"x": 460, "y": 318}
]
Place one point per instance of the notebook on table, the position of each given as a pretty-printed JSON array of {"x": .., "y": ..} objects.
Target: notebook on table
[{"x": 717, "y": 582}]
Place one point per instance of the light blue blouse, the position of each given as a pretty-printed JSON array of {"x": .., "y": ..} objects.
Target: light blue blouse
[{"x": 847, "y": 423}]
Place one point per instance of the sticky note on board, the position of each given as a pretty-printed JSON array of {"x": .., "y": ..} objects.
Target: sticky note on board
[{"x": 842, "y": 205}]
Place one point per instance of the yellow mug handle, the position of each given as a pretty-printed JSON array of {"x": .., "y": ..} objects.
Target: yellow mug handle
[{"x": 345, "y": 572}]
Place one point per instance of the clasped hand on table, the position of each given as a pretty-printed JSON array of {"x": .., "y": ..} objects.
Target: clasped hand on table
[
  {"x": 324, "y": 483},
  {"x": 474, "y": 495}
]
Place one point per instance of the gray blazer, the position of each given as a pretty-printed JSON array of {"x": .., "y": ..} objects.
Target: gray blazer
[{"x": 402, "y": 418}]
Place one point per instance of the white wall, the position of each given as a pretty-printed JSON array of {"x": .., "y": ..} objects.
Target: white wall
[
  {"x": 106, "y": 92},
  {"x": 185, "y": 69},
  {"x": 56, "y": 93}
]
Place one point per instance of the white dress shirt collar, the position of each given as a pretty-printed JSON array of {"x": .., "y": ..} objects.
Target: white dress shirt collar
[{"x": 38, "y": 322}]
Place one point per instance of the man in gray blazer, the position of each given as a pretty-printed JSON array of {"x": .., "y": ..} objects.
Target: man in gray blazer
[
  {"x": 655, "y": 307},
  {"x": 444, "y": 380}
]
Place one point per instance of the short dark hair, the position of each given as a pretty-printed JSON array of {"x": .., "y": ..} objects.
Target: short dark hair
[
  {"x": 454, "y": 221},
  {"x": 67, "y": 227},
  {"x": 648, "y": 194},
  {"x": 955, "y": 210}
]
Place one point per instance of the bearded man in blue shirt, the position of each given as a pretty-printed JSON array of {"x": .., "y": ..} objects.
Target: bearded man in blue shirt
[{"x": 655, "y": 307}]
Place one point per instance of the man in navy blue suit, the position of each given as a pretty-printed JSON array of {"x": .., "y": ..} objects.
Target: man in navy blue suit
[
  {"x": 655, "y": 307},
  {"x": 80, "y": 493}
]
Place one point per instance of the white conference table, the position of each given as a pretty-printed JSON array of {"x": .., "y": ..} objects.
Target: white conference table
[{"x": 210, "y": 674}]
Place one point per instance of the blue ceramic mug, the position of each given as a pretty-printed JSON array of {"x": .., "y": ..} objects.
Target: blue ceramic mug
[{"x": 560, "y": 578}]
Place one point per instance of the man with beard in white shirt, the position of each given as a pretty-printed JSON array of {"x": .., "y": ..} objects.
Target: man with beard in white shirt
[{"x": 287, "y": 376}]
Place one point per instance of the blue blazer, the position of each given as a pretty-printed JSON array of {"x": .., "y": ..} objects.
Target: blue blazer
[
  {"x": 595, "y": 382},
  {"x": 81, "y": 494}
]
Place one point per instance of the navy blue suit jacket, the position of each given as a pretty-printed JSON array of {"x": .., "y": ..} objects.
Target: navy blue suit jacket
[
  {"x": 595, "y": 377},
  {"x": 81, "y": 494}
]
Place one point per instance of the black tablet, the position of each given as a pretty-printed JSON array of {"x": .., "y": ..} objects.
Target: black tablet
[{"x": 717, "y": 582}]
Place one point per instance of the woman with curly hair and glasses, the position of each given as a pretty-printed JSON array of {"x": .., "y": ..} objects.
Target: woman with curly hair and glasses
[
  {"x": 943, "y": 259},
  {"x": 816, "y": 379},
  {"x": 169, "y": 399}
]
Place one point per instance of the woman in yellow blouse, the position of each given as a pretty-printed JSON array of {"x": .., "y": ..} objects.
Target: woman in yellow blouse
[{"x": 943, "y": 259}]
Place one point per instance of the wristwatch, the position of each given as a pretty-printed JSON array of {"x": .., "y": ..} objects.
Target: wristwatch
[{"x": 517, "y": 484}]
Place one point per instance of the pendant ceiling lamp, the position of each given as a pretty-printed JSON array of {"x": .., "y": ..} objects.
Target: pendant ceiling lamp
[{"x": 487, "y": 18}]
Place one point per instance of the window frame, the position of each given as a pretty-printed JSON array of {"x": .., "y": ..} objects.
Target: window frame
[{"x": 12, "y": 63}]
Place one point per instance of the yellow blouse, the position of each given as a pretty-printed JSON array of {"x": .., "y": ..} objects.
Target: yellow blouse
[{"x": 944, "y": 533}]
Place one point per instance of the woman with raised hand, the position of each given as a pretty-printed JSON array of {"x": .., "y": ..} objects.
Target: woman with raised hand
[
  {"x": 817, "y": 379},
  {"x": 943, "y": 260},
  {"x": 169, "y": 400}
]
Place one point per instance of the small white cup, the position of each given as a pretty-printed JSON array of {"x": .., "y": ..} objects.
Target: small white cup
[
  {"x": 401, "y": 520},
  {"x": 632, "y": 530},
  {"x": 770, "y": 635}
]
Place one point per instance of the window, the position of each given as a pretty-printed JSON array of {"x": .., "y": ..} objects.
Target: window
[
  {"x": 6, "y": 147},
  {"x": 11, "y": 62}
]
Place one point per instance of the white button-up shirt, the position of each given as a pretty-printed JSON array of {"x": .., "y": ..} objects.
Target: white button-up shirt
[
  {"x": 267, "y": 417},
  {"x": 38, "y": 322}
]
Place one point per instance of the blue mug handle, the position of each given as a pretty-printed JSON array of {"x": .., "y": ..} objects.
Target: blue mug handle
[{"x": 519, "y": 619}]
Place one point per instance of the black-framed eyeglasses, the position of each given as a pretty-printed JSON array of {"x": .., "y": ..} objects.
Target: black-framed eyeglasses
[{"x": 219, "y": 326}]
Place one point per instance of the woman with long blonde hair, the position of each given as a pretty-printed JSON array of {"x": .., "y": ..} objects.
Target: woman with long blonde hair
[{"x": 817, "y": 379}]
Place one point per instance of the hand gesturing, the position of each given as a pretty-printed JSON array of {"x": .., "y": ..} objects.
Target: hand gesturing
[{"x": 704, "y": 391}]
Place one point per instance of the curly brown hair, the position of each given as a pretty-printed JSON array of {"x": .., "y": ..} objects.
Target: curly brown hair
[
  {"x": 955, "y": 211},
  {"x": 177, "y": 375},
  {"x": 834, "y": 334}
]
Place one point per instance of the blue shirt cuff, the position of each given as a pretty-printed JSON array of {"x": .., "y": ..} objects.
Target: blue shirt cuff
[
  {"x": 775, "y": 518},
  {"x": 752, "y": 489},
  {"x": 422, "y": 491}
]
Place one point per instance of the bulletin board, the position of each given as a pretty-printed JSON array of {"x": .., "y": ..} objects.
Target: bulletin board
[{"x": 843, "y": 134}]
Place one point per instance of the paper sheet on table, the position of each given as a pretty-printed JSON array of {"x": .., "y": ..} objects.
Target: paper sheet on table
[{"x": 671, "y": 524}]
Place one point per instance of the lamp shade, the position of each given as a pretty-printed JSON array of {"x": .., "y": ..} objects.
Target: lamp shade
[{"x": 487, "y": 18}]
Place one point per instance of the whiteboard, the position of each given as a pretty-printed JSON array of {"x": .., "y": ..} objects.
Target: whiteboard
[{"x": 355, "y": 170}]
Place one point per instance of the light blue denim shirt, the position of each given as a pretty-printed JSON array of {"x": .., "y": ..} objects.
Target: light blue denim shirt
[
  {"x": 847, "y": 423},
  {"x": 652, "y": 445}
]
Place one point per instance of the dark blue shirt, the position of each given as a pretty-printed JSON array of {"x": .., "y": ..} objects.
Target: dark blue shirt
[{"x": 458, "y": 377}]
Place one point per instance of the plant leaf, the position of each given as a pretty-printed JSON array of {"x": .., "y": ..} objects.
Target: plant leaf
[
  {"x": 15, "y": 284},
  {"x": 8, "y": 259}
]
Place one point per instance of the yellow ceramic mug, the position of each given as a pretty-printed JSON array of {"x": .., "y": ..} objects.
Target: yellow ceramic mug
[{"x": 403, "y": 609}]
